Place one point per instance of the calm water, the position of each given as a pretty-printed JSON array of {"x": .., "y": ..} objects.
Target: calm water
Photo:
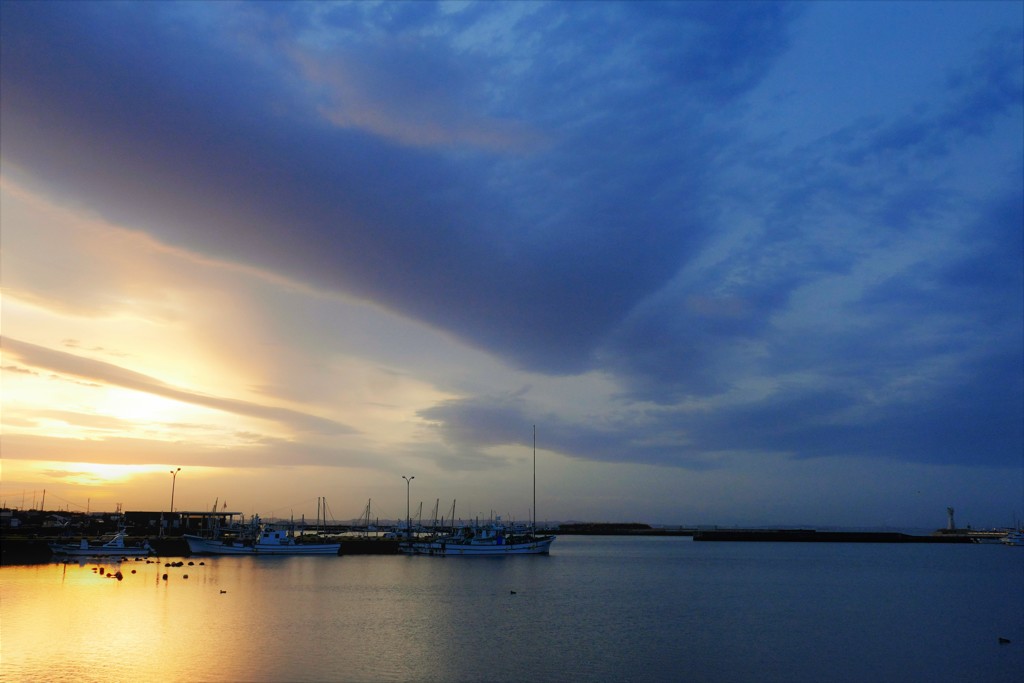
[{"x": 596, "y": 609}]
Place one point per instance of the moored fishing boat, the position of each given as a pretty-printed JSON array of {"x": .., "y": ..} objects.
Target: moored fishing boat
[
  {"x": 268, "y": 541},
  {"x": 1013, "y": 538},
  {"x": 112, "y": 547},
  {"x": 493, "y": 539}
]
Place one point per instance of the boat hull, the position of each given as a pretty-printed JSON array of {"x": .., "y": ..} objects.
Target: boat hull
[
  {"x": 116, "y": 547},
  {"x": 203, "y": 546},
  {"x": 1014, "y": 538},
  {"x": 76, "y": 551},
  {"x": 540, "y": 546}
]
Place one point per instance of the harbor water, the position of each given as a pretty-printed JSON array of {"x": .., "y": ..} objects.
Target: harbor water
[{"x": 596, "y": 609}]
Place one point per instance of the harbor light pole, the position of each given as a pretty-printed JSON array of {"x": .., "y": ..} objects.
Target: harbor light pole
[
  {"x": 408, "y": 517},
  {"x": 174, "y": 479}
]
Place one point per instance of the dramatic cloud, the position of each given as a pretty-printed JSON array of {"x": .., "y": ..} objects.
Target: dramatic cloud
[
  {"x": 692, "y": 235},
  {"x": 107, "y": 373},
  {"x": 555, "y": 245}
]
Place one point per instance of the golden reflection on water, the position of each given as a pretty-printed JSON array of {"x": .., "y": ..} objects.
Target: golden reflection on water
[
  {"x": 225, "y": 619},
  {"x": 73, "y": 621}
]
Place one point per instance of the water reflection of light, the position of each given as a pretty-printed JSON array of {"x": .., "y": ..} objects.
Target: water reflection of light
[
  {"x": 72, "y": 622},
  {"x": 279, "y": 619}
]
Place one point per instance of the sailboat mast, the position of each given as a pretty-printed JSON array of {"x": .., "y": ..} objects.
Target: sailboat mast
[{"x": 534, "y": 480}]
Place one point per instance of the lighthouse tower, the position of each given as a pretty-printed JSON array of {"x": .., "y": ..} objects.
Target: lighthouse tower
[{"x": 950, "y": 525}]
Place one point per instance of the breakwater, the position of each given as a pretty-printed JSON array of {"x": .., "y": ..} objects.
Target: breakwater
[
  {"x": 619, "y": 529},
  {"x": 814, "y": 536}
]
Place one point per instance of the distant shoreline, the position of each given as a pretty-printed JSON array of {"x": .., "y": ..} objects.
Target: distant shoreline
[{"x": 802, "y": 535}]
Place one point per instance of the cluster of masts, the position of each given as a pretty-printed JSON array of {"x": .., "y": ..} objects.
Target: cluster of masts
[{"x": 368, "y": 523}]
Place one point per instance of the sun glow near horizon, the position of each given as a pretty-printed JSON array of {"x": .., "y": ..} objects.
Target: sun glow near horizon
[{"x": 80, "y": 485}]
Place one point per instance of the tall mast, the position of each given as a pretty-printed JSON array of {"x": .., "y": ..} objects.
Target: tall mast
[{"x": 534, "y": 480}]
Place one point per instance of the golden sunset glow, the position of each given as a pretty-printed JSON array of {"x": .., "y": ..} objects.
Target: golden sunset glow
[
  {"x": 95, "y": 474},
  {"x": 154, "y": 415}
]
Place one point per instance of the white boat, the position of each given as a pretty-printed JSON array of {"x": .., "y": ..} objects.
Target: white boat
[
  {"x": 1013, "y": 538},
  {"x": 113, "y": 547},
  {"x": 269, "y": 541},
  {"x": 488, "y": 540}
]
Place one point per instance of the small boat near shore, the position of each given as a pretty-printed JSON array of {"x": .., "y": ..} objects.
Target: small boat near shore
[
  {"x": 492, "y": 539},
  {"x": 112, "y": 547},
  {"x": 1015, "y": 538},
  {"x": 268, "y": 541}
]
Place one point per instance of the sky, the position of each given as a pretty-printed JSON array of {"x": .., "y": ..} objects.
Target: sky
[{"x": 738, "y": 263}]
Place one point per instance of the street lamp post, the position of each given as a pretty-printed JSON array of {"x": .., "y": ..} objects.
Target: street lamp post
[
  {"x": 408, "y": 517},
  {"x": 174, "y": 479}
]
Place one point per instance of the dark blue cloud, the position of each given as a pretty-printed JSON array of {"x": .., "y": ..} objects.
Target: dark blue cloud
[
  {"x": 468, "y": 426},
  {"x": 972, "y": 418},
  {"x": 166, "y": 122}
]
